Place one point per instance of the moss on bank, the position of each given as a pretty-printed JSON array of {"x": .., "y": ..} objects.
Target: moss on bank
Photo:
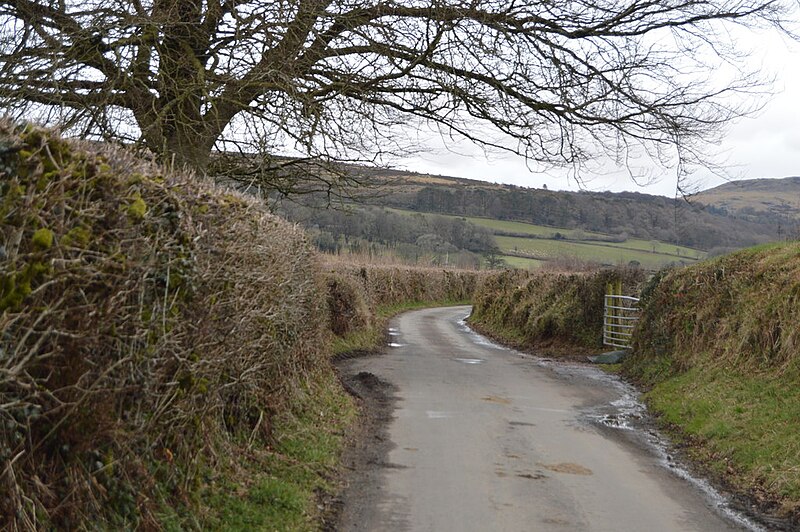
[{"x": 162, "y": 339}]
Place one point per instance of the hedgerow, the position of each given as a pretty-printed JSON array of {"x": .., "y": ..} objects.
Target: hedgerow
[{"x": 152, "y": 325}]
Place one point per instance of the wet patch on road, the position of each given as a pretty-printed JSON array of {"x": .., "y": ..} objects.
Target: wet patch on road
[
  {"x": 532, "y": 476},
  {"x": 388, "y": 465},
  {"x": 628, "y": 415},
  {"x": 479, "y": 338},
  {"x": 470, "y": 361}
]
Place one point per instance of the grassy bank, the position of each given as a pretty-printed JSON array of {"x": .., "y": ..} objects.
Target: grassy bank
[
  {"x": 717, "y": 348},
  {"x": 547, "y": 312},
  {"x": 163, "y": 343}
]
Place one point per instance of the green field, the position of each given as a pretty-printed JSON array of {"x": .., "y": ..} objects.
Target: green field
[
  {"x": 550, "y": 249},
  {"x": 523, "y": 228},
  {"x": 586, "y": 237},
  {"x": 585, "y": 245},
  {"x": 655, "y": 246},
  {"x": 522, "y": 263}
]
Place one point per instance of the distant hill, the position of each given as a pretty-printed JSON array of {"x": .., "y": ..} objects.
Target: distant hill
[
  {"x": 772, "y": 201},
  {"x": 627, "y": 214}
]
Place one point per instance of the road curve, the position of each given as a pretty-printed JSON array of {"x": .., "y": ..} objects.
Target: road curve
[{"x": 485, "y": 439}]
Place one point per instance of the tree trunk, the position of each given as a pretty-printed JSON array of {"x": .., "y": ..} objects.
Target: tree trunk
[{"x": 187, "y": 149}]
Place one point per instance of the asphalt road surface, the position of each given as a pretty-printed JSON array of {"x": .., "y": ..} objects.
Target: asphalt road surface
[{"x": 482, "y": 438}]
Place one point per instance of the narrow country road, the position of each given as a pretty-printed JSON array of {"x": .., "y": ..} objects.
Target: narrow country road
[{"x": 485, "y": 439}]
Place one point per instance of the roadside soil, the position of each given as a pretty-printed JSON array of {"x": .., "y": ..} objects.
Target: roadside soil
[
  {"x": 369, "y": 444},
  {"x": 557, "y": 350}
]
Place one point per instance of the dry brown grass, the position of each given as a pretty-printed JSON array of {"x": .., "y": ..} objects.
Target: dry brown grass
[
  {"x": 740, "y": 310},
  {"x": 389, "y": 258}
]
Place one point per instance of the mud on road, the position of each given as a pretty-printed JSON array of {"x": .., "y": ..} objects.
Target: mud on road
[{"x": 368, "y": 448}]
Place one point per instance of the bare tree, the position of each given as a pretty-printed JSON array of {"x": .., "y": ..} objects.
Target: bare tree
[{"x": 345, "y": 79}]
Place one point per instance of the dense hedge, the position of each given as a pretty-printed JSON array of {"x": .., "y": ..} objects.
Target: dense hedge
[
  {"x": 357, "y": 293},
  {"x": 153, "y": 327},
  {"x": 148, "y": 320},
  {"x": 718, "y": 349},
  {"x": 738, "y": 311}
]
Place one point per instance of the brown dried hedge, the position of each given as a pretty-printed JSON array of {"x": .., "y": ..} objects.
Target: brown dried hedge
[
  {"x": 356, "y": 293},
  {"x": 740, "y": 311},
  {"x": 151, "y": 325}
]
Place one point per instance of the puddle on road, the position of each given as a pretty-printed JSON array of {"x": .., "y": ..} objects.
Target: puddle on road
[
  {"x": 469, "y": 360},
  {"x": 479, "y": 338}
]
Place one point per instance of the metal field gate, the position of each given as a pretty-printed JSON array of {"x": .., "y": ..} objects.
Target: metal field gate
[{"x": 620, "y": 314}]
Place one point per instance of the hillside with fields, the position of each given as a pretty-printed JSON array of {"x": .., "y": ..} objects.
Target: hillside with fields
[
  {"x": 771, "y": 201},
  {"x": 622, "y": 215},
  {"x": 426, "y": 219}
]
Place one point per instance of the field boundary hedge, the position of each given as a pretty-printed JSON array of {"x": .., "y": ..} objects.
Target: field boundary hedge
[{"x": 548, "y": 313}]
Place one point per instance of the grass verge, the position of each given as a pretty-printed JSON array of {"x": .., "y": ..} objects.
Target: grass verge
[
  {"x": 280, "y": 487},
  {"x": 743, "y": 428},
  {"x": 717, "y": 349}
]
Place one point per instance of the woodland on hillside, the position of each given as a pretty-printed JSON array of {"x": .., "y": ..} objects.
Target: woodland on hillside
[
  {"x": 627, "y": 214},
  {"x": 434, "y": 240}
]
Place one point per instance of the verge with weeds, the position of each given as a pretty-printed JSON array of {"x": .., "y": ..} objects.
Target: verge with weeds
[{"x": 718, "y": 347}]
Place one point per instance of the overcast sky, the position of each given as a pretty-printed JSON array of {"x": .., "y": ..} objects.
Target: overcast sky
[{"x": 766, "y": 145}]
